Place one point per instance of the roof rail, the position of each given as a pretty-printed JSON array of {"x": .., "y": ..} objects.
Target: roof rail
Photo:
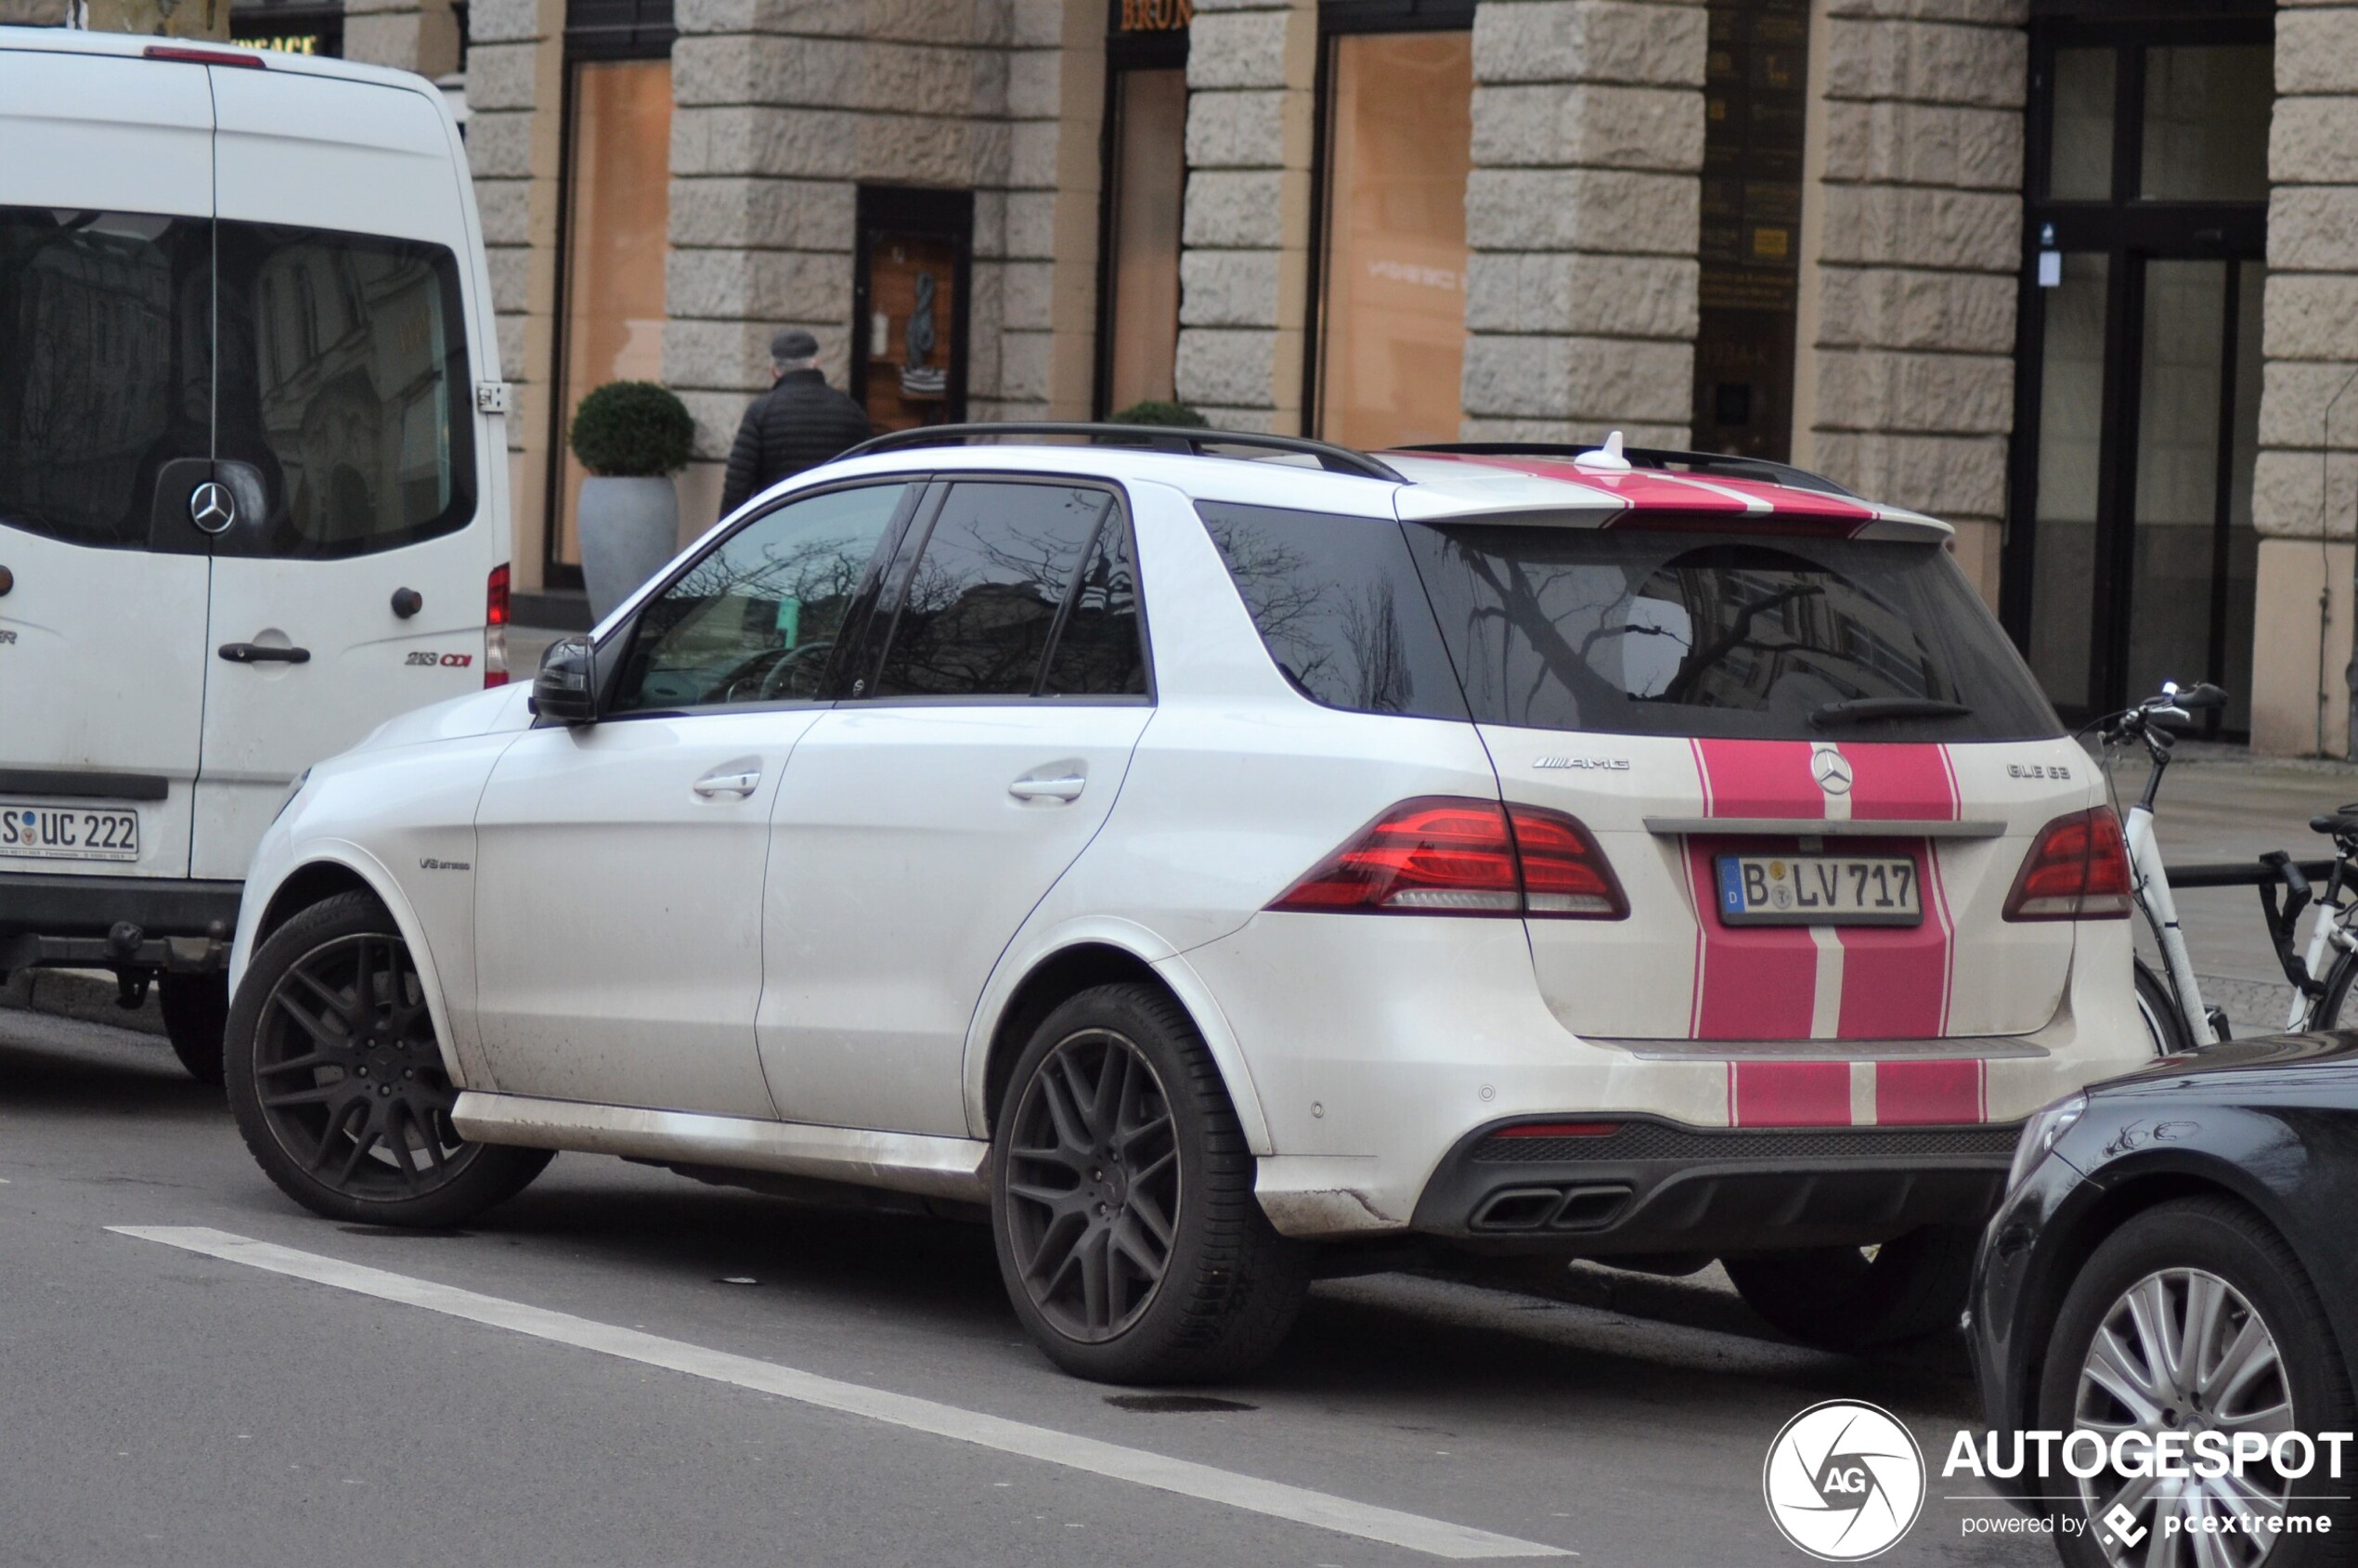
[
  {"x": 1724, "y": 464},
  {"x": 1184, "y": 440}
]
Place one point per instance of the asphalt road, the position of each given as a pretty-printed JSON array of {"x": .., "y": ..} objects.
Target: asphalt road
[{"x": 161, "y": 1404}]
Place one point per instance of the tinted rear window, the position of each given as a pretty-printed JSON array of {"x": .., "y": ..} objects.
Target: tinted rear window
[
  {"x": 1339, "y": 608},
  {"x": 1720, "y": 635}
]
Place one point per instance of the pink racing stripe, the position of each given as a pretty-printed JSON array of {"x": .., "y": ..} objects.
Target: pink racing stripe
[
  {"x": 1789, "y": 1093},
  {"x": 1758, "y": 779},
  {"x": 1752, "y": 982},
  {"x": 1902, "y": 781},
  {"x": 1931, "y": 1094},
  {"x": 1896, "y": 980}
]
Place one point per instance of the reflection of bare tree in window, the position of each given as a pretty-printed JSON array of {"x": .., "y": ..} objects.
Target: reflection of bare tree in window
[{"x": 978, "y": 609}]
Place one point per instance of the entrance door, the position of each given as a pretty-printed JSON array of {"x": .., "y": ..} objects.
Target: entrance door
[
  {"x": 2132, "y": 556},
  {"x": 909, "y": 307},
  {"x": 353, "y": 584},
  {"x": 105, "y": 431}
]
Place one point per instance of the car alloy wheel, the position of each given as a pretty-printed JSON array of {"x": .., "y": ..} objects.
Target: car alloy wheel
[
  {"x": 349, "y": 1078},
  {"x": 1094, "y": 1186},
  {"x": 2182, "y": 1350}
]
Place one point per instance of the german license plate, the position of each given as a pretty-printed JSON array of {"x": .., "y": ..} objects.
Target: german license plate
[
  {"x": 69, "y": 833},
  {"x": 1819, "y": 891}
]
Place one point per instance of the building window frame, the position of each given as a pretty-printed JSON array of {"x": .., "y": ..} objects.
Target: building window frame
[
  {"x": 1127, "y": 49},
  {"x": 2130, "y": 231},
  {"x": 1337, "y": 19}
]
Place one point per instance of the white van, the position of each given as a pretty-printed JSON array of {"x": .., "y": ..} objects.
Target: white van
[{"x": 253, "y": 477}]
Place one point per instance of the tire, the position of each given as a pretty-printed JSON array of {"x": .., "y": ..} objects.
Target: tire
[
  {"x": 1190, "y": 1282},
  {"x": 1842, "y": 1299},
  {"x": 196, "y": 1015},
  {"x": 2333, "y": 1005},
  {"x": 2157, "y": 1004},
  {"x": 337, "y": 1082},
  {"x": 2162, "y": 1257}
]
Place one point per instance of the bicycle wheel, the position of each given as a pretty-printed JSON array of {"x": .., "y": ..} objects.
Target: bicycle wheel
[
  {"x": 2165, "y": 1026},
  {"x": 2333, "y": 1005}
]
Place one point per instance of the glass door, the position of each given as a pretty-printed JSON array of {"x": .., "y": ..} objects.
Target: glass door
[{"x": 2131, "y": 556}]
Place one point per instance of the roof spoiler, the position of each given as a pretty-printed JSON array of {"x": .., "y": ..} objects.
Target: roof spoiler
[
  {"x": 1183, "y": 440},
  {"x": 1722, "y": 464}
]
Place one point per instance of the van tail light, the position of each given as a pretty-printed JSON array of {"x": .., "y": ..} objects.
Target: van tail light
[
  {"x": 1443, "y": 855},
  {"x": 2078, "y": 870},
  {"x": 495, "y": 628},
  {"x": 202, "y": 57}
]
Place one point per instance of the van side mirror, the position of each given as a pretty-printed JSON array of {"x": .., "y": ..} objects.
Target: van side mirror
[{"x": 566, "y": 689}]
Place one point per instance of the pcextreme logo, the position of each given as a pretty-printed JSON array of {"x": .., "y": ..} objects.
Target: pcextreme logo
[{"x": 1845, "y": 1481}]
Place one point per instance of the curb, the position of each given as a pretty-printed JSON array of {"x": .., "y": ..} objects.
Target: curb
[{"x": 86, "y": 994}]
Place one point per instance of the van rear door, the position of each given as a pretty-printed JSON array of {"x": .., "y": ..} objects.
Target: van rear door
[
  {"x": 354, "y": 583},
  {"x": 106, "y": 429}
]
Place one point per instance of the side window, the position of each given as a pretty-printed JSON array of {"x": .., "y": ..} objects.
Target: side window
[
  {"x": 982, "y": 600},
  {"x": 106, "y": 366},
  {"x": 1097, "y": 651},
  {"x": 344, "y": 389},
  {"x": 756, "y": 619},
  {"x": 1339, "y": 607}
]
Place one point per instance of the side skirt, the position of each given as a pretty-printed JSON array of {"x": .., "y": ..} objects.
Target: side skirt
[{"x": 910, "y": 1162}]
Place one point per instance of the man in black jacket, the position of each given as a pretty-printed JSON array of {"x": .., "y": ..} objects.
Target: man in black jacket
[{"x": 799, "y": 423}]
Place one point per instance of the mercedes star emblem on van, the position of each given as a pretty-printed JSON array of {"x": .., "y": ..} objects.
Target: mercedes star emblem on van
[{"x": 211, "y": 507}]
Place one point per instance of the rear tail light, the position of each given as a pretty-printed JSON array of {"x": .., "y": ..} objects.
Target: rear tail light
[
  {"x": 1443, "y": 855},
  {"x": 495, "y": 628},
  {"x": 2078, "y": 870}
]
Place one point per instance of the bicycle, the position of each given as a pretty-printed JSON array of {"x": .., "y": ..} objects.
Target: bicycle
[{"x": 2322, "y": 976}]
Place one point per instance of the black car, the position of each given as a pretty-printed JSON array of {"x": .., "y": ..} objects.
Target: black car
[{"x": 2178, "y": 1251}]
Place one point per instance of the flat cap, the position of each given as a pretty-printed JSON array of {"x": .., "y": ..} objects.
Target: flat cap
[{"x": 794, "y": 343}]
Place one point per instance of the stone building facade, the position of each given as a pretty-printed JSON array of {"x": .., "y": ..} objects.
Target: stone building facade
[{"x": 2080, "y": 276}]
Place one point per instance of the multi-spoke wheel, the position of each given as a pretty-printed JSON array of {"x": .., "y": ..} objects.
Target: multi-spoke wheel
[
  {"x": 1122, "y": 1200},
  {"x": 1093, "y": 1184},
  {"x": 338, "y": 1081},
  {"x": 2192, "y": 1319}
]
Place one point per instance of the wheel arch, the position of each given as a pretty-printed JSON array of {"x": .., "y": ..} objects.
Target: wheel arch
[
  {"x": 1020, "y": 994},
  {"x": 2067, "y": 1246},
  {"x": 333, "y": 868}
]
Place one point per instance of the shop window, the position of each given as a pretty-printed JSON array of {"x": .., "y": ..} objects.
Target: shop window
[
  {"x": 1147, "y": 169},
  {"x": 1756, "y": 102},
  {"x": 1392, "y": 313},
  {"x": 617, "y": 202},
  {"x": 1146, "y": 185},
  {"x": 908, "y": 305}
]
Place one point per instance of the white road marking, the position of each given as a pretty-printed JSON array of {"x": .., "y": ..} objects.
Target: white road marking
[{"x": 1434, "y": 1538}]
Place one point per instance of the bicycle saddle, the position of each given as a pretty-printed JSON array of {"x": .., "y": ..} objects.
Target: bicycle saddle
[{"x": 2341, "y": 820}]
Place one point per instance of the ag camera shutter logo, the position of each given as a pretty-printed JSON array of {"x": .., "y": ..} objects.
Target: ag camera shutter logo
[{"x": 1845, "y": 1481}]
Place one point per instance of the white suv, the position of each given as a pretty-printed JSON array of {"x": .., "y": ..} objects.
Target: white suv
[
  {"x": 1226, "y": 863},
  {"x": 252, "y": 497}
]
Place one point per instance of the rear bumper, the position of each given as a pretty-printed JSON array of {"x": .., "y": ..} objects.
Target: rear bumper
[
  {"x": 1656, "y": 1186},
  {"x": 184, "y": 926}
]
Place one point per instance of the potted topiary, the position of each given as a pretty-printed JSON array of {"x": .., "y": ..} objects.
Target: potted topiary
[
  {"x": 632, "y": 436},
  {"x": 1156, "y": 411}
]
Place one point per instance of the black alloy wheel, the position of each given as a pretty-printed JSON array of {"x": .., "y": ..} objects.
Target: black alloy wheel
[
  {"x": 1093, "y": 1185},
  {"x": 338, "y": 1081},
  {"x": 1122, "y": 1200}
]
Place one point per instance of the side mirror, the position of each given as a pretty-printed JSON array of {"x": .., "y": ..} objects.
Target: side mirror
[{"x": 566, "y": 689}]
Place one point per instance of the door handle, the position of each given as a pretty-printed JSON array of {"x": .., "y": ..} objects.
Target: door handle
[
  {"x": 256, "y": 653},
  {"x": 1063, "y": 786},
  {"x": 739, "y": 781}
]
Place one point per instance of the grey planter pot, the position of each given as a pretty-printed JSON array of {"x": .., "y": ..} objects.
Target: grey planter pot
[{"x": 629, "y": 530}]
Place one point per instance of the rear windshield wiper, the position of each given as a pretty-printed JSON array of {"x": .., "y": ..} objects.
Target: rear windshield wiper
[{"x": 1873, "y": 710}]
